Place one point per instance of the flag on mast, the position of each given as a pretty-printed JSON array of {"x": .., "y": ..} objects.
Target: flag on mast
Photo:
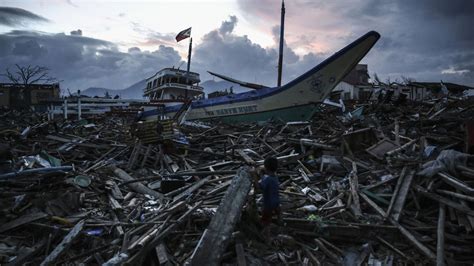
[{"x": 183, "y": 34}]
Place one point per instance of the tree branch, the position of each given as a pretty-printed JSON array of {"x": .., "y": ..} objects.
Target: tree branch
[{"x": 29, "y": 75}]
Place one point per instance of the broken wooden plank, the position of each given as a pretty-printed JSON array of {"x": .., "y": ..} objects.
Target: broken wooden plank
[
  {"x": 191, "y": 189},
  {"x": 215, "y": 238},
  {"x": 246, "y": 158},
  {"x": 446, "y": 201},
  {"x": 456, "y": 183},
  {"x": 64, "y": 245},
  {"x": 385, "y": 242},
  {"x": 328, "y": 252},
  {"x": 137, "y": 259},
  {"x": 401, "y": 196},
  {"x": 25, "y": 219},
  {"x": 395, "y": 192},
  {"x": 137, "y": 187}
]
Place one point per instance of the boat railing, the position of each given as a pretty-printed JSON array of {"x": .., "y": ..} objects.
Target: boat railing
[{"x": 175, "y": 85}]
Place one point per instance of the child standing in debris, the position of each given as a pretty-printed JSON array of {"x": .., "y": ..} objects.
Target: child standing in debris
[{"x": 269, "y": 186}]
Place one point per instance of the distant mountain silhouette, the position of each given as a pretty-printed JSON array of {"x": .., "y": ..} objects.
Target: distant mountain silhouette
[{"x": 135, "y": 91}]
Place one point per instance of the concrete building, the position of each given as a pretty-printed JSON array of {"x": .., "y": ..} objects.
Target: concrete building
[
  {"x": 355, "y": 86},
  {"x": 33, "y": 95}
]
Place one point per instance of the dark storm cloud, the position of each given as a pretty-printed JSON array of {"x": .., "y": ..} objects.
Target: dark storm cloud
[
  {"x": 420, "y": 38},
  {"x": 82, "y": 62},
  {"x": 11, "y": 16},
  {"x": 224, "y": 52}
]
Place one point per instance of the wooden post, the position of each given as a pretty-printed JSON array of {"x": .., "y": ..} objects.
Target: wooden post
[
  {"x": 397, "y": 132},
  {"x": 49, "y": 112},
  {"x": 79, "y": 108},
  {"x": 65, "y": 108}
]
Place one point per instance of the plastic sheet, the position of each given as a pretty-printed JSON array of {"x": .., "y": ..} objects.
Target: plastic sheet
[{"x": 447, "y": 160}]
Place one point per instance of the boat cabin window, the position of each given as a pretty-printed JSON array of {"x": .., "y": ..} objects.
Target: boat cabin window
[
  {"x": 149, "y": 85},
  {"x": 154, "y": 83}
]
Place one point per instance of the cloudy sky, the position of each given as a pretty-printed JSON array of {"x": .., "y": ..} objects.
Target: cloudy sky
[{"x": 114, "y": 44}]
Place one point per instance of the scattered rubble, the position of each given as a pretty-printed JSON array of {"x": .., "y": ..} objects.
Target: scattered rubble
[{"x": 381, "y": 184}]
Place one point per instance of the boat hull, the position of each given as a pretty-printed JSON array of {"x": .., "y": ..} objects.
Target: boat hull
[
  {"x": 292, "y": 113},
  {"x": 294, "y": 101}
]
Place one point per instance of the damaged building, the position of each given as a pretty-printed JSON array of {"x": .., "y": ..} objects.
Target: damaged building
[{"x": 31, "y": 95}]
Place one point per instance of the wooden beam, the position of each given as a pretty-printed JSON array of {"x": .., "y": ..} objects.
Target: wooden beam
[
  {"x": 137, "y": 187},
  {"x": 246, "y": 158},
  {"x": 65, "y": 243},
  {"x": 401, "y": 196},
  {"x": 215, "y": 238},
  {"x": 28, "y": 218}
]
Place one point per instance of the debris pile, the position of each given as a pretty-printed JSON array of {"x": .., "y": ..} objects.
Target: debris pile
[{"x": 379, "y": 184}]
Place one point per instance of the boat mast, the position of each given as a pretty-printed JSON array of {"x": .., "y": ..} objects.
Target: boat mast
[
  {"x": 189, "y": 66},
  {"x": 189, "y": 54},
  {"x": 282, "y": 37}
]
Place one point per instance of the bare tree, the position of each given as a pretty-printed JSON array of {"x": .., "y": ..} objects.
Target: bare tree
[{"x": 26, "y": 75}]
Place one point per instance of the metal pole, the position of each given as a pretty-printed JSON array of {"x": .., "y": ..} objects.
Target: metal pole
[
  {"x": 282, "y": 38},
  {"x": 65, "y": 108},
  {"x": 79, "y": 105}
]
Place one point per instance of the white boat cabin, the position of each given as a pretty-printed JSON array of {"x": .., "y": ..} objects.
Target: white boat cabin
[{"x": 173, "y": 84}]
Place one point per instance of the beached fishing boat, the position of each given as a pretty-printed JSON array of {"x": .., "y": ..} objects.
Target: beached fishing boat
[{"x": 294, "y": 101}]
